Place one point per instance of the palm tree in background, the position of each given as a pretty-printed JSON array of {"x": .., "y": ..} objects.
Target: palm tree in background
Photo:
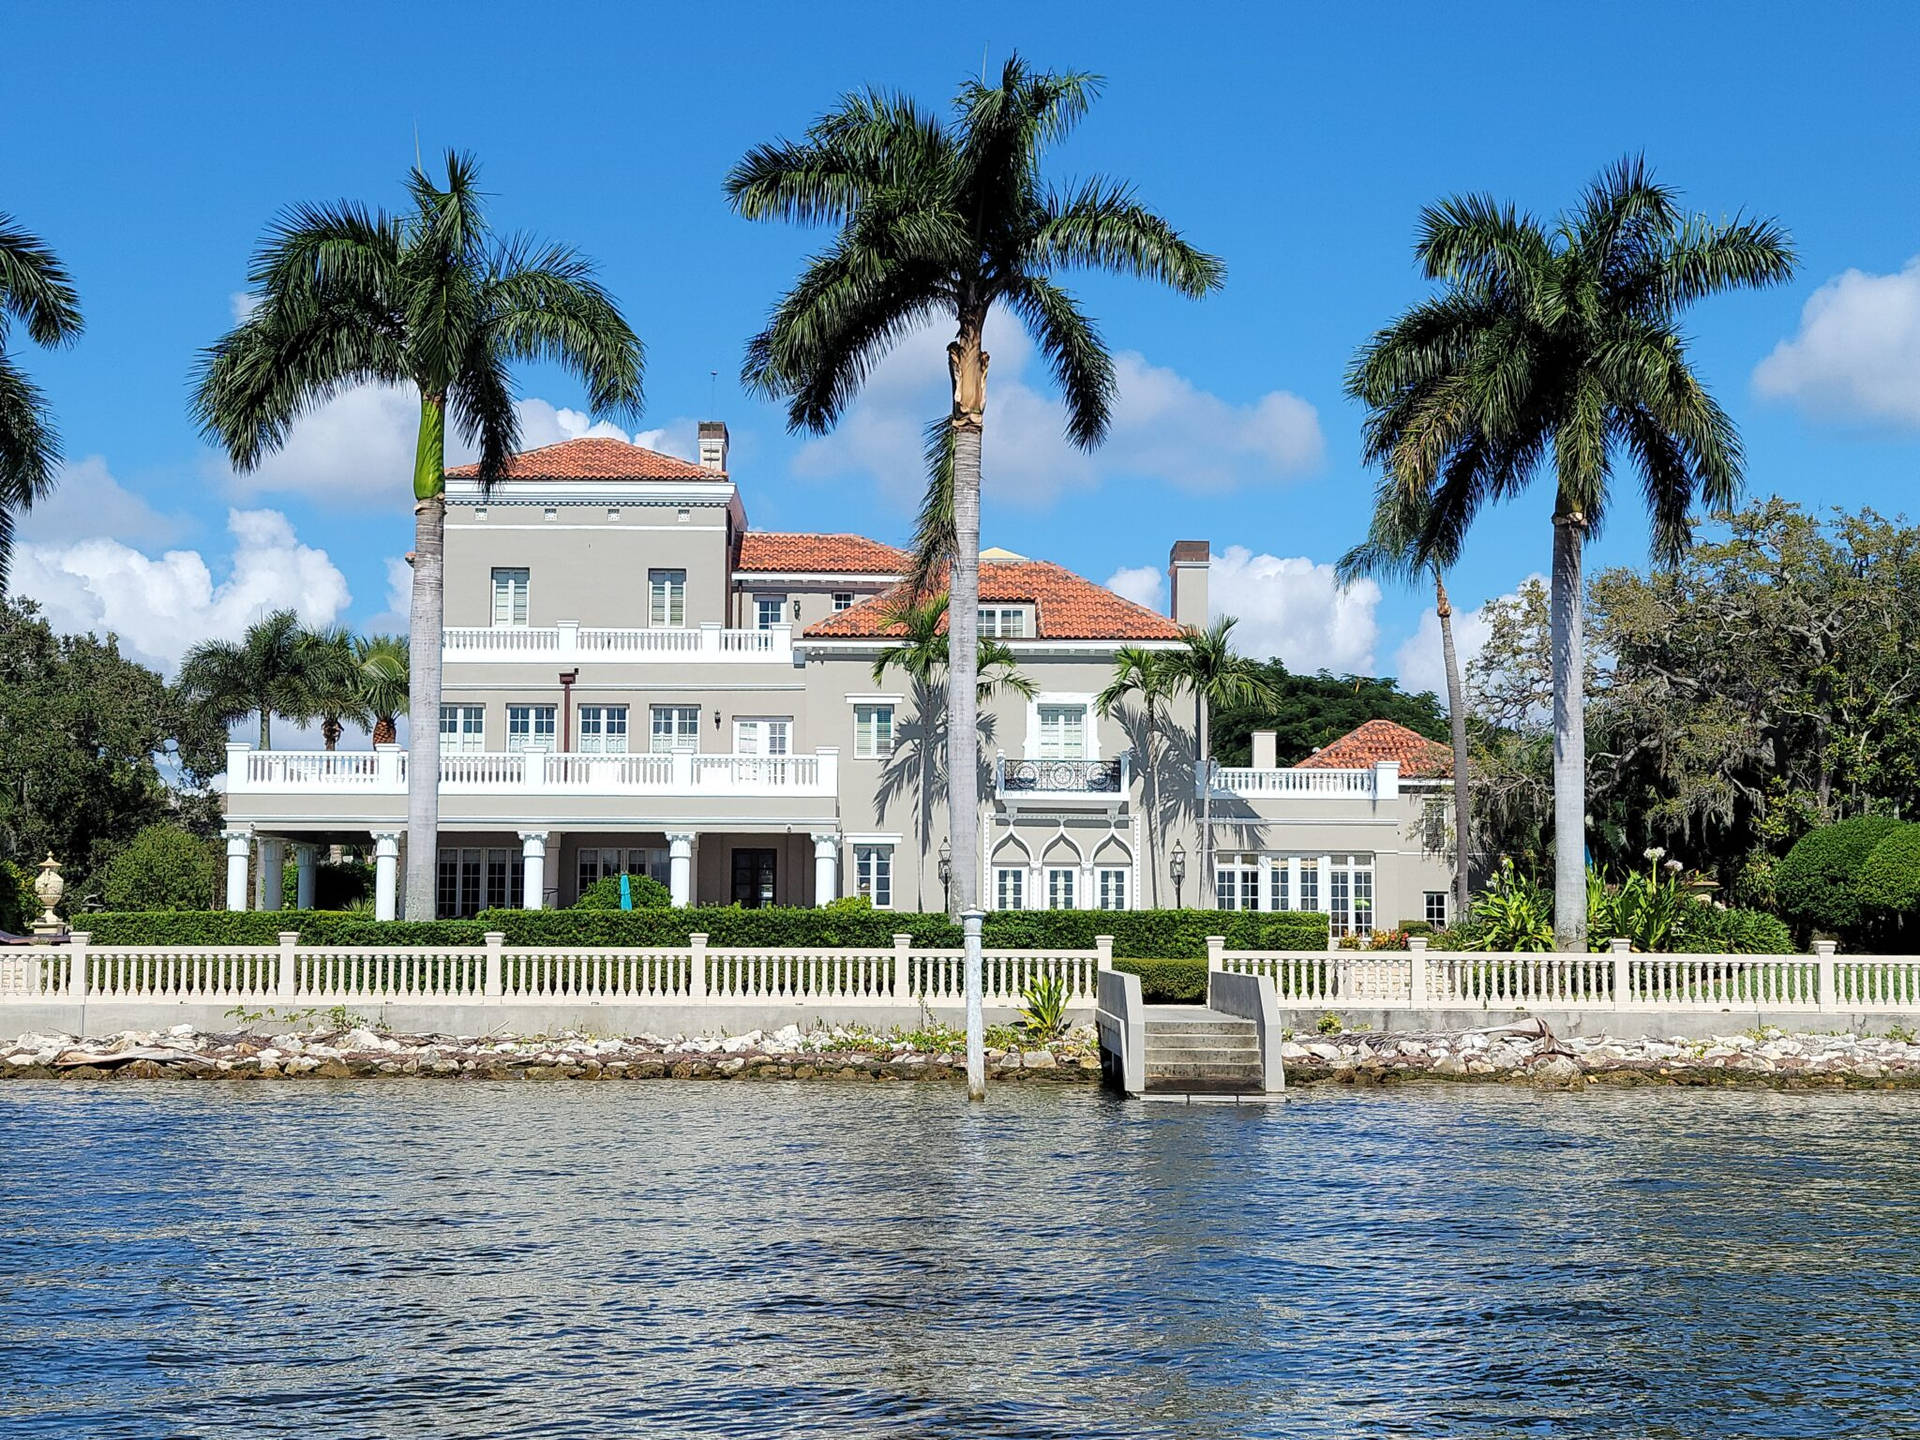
[
  {"x": 1218, "y": 677},
  {"x": 330, "y": 680},
  {"x": 431, "y": 300},
  {"x": 36, "y": 291},
  {"x": 1143, "y": 675},
  {"x": 942, "y": 220},
  {"x": 381, "y": 663},
  {"x": 1392, "y": 550},
  {"x": 263, "y": 673},
  {"x": 1560, "y": 344},
  {"x": 922, "y": 654}
]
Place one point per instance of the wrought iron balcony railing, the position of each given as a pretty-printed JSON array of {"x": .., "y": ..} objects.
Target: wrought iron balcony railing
[{"x": 1100, "y": 780}]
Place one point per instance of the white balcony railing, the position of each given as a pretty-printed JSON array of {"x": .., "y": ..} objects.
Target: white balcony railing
[
  {"x": 705, "y": 644},
  {"x": 384, "y": 772},
  {"x": 1377, "y": 782}
]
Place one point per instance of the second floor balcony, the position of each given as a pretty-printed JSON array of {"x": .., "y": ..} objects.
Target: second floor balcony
[
  {"x": 1054, "y": 784},
  {"x": 567, "y": 644},
  {"x": 1375, "y": 782},
  {"x": 534, "y": 772}
]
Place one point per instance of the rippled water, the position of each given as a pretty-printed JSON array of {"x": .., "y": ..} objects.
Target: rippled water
[{"x": 415, "y": 1259}]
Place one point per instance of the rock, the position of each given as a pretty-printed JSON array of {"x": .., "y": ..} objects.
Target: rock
[
  {"x": 1449, "y": 1065},
  {"x": 1556, "y": 1070},
  {"x": 1037, "y": 1060}
]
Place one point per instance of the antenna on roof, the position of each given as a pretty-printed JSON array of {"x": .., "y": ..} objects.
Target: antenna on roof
[{"x": 713, "y": 391}]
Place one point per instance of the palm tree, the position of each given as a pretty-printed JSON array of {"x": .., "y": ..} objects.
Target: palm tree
[
  {"x": 944, "y": 220},
  {"x": 1392, "y": 550},
  {"x": 1562, "y": 341},
  {"x": 430, "y": 300},
  {"x": 330, "y": 683},
  {"x": 1144, "y": 675},
  {"x": 382, "y": 676},
  {"x": 1207, "y": 665},
  {"x": 264, "y": 672},
  {"x": 36, "y": 291},
  {"x": 922, "y": 653}
]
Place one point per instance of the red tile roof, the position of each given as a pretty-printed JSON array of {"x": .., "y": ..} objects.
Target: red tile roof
[
  {"x": 1066, "y": 607},
  {"x": 1419, "y": 757},
  {"x": 595, "y": 458},
  {"x": 808, "y": 554}
]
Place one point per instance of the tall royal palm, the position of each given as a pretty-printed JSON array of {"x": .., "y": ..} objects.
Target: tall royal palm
[
  {"x": 1218, "y": 677},
  {"x": 939, "y": 221},
  {"x": 1143, "y": 675},
  {"x": 431, "y": 300},
  {"x": 36, "y": 291},
  {"x": 1557, "y": 347},
  {"x": 1393, "y": 550}
]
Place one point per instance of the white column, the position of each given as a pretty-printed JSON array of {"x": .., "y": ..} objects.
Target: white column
[
  {"x": 386, "y": 873},
  {"x": 1085, "y": 900},
  {"x": 1264, "y": 900},
  {"x": 273, "y": 862},
  {"x": 533, "y": 862},
  {"x": 239, "y": 843},
  {"x": 680, "y": 867},
  {"x": 826, "y": 868},
  {"x": 1293, "y": 883},
  {"x": 304, "y": 857}
]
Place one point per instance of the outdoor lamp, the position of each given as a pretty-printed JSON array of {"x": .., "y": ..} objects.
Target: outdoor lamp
[
  {"x": 1177, "y": 863},
  {"x": 946, "y": 863}
]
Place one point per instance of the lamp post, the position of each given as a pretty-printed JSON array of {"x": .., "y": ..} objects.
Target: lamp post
[
  {"x": 1177, "y": 870},
  {"x": 946, "y": 875}
]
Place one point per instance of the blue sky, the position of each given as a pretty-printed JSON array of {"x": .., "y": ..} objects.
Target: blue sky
[{"x": 1297, "y": 142}]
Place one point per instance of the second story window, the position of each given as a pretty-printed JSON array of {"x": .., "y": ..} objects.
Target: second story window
[
  {"x": 463, "y": 729},
  {"x": 872, "y": 732},
  {"x": 530, "y": 727},
  {"x": 667, "y": 598},
  {"x": 770, "y": 736},
  {"x": 509, "y": 598},
  {"x": 842, "y": 600},
  {"x": 1004, "y": 622},
  {"x": 674, "y": 727},
  {"x": 1063, "y": 732},
  {"x": 768, "y": 611},
  {"x": 603, "y": 729}
]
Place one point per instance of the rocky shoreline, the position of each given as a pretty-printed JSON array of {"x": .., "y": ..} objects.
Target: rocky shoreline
[{"x": 1527, "y": 1053}]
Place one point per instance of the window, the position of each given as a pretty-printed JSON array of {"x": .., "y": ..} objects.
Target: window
[
  {"x": 872, "y": 732},
  {"x": 1006, "y": 623},
  {"x": 675, "y": 727},
  {"x": 509, "y": 598},
  {"x": 530, "y": 727},
  {"x": 1350, "y": 895},
  {"x": 1236, "y": 884},
  {"x": 1111, "y": 883},
  {"x": 768, "y": 611},
  {"x": 1010, "y": 888},
  {"x": 1278, "y": 887},
  {"x": 873, "y": 874},
  {"x": 763, "y": 737},
  {"x": 667, "y": 598},
  {"x": 1309, "y": 885},
  {"x": 472, "y": 880},
  {"x": 842, "y": 600},
  {"x": 603, "y": 729},
  {"x": 598, "y": 862},
  {"x": 1060, "y": 887},
  {"x": 463, "y": 729},
  {"x": 1063, "y": 732},
  {"x": 1436, "y": 907}
]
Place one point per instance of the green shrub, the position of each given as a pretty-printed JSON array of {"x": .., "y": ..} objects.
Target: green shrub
[
  {"x": 1168, "y": 982},
  {"x": 263, "y": 927},
  {"x": 19, "y": 906},
  {"x": 1707, "y": 929},
  {"x": 646, "y": 893},
  {"x": 1889, "y": 882},
  {"x": 1818, "y": 883},
  {"x": 161, "y": 868}
]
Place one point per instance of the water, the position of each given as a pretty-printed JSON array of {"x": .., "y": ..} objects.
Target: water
[{"x": 418, "y": 1259}]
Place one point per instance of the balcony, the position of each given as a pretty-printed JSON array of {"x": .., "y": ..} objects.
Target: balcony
[
  {"x": 1054, "y": 784},
  {"x": 1377, "y": 782},
  {"x": 533, "y": 772},
  {"x": 575, "y": 644}
]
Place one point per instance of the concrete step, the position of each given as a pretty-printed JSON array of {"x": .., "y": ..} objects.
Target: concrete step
[
  {"x": 1202, "y": 1054},
  {"x": 1248, "y": 1074}
]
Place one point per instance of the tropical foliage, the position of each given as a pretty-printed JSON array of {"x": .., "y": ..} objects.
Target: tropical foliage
[
  {"x": 1208, "y": 667},
  {"x": 162, "y": 868},
  {"x": 36, "y": 292}
]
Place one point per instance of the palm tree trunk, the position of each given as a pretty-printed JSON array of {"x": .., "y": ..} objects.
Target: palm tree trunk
[
  {"x": 266, "y": 727},
  {"x": 967, "y": 363},
  {"x": 330, "y": 729},
  {"x": 1569, "y": 735},
  {"x": 1457, "y": 732},
  {"x": 385, "y": 732},
  {"x": 1153, "y": 815},
  {"x": 1204, "y": 726},
  {"x": 425, "y": 621}
]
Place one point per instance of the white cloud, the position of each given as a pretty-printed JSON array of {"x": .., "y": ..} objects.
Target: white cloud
[
  {"x": 1296, "y": 609},
  {"x": 1856, "y": 354},
  {"x": 1164, "y": 427},
  {"x": 160, "y": 607},
  {"x": 89, "y": 502},
  {"x": 1142, "y": 584},
  {"x": 242, "y": 303},
  {"x": 1420, "y": 661},
  {"x": 359, "y": 446}
]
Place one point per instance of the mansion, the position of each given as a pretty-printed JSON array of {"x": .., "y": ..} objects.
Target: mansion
[{"x": 636, "y": 681}]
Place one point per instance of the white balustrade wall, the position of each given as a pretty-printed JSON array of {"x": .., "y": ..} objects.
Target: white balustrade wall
[
  {"x": 704, "y": 644},
  {"x": 680, "y": 772}
]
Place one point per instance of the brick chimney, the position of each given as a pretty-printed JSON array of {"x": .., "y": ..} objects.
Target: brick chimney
[
  {"x": 713, "y": 446},
  {"x": 1187, "y": 582}
]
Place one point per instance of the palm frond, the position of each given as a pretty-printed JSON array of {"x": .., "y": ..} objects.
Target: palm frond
[
  {"x": 1074, "y": 353},
  {"x": 1101, "y": 225},
  {"x": 933, "y": 531},
  {"x": 35, "y": 287}
]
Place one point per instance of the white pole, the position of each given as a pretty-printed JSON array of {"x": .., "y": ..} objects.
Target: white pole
[
  {"x": 976, "y": 1019},
  {"x": 386, "y": 870}
]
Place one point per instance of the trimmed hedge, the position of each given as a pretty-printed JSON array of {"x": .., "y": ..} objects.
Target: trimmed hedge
[
  {"x": 1889, "y": 883},
  {"x": 1137, "y": 934},
  {"x": 644, "y": 891},
  {"x": 1709, "y": 930},
  {"x": 1168, "y": 982},
  {"x": 1818, "y": 883}
]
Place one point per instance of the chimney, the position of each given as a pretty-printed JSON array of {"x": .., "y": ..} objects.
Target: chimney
[
  {"x": 1187, "y": 582},
  {"x": 1266, "y": 750},
  {"x": 713, "y": 446}
]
